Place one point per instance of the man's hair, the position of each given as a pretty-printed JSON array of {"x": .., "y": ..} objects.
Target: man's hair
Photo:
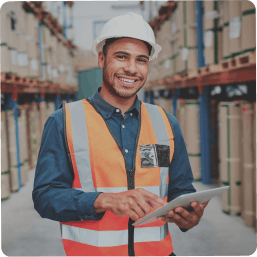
[{"x": 109, "y": 41}]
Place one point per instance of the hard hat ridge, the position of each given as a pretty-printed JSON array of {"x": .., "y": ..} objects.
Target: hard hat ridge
[{"x": 128, "y": 25}]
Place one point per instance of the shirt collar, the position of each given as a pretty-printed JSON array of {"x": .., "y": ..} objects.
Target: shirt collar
[{"x": 107, "y": 109}]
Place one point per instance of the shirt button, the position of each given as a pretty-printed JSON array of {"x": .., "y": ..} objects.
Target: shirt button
[
  {"x": 126, "y": 150},
  {"x": 123, "y": 126},
  {"x": 117, "y": 110},
  {"x": 131, "y": 114}
]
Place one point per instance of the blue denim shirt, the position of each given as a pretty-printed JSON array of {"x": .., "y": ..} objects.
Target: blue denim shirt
[{"x": 53, "y": 195}]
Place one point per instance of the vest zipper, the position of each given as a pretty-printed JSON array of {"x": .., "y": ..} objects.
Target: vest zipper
[{"x": 130, "y": 175}]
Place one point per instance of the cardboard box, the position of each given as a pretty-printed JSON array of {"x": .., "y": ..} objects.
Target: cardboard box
[
  {"x": 230, "y": 155},
  {"x": 248, "y": 163},
  {"x": 193, "y": 136}
]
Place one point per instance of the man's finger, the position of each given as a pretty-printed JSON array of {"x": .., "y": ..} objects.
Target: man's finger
[
  {"x": 197, "y": 209},
  {"x": 184, "y": 213}
]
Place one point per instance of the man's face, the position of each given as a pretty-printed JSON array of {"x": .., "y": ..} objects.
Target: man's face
[{"x": 125, "y": 67}]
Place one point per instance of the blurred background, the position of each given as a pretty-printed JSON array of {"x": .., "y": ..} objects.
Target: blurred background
[{"x": 205, "y": 76}]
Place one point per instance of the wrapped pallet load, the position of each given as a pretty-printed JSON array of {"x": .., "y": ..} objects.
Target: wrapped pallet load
[
  {"x": 5, "y": 38},
  {"x": 212, "y": 31},
  {"x": 5, "y": 171},
  {"x": 248, "y": 39},
  {"x": 235, "y": 28},
  {"x": 248, "y": 183},
  {"x": 12, "y": 150},
  {"x": 193, "y": 136},
  {"x": 45, "y": 57},
  {"x": 23, "y": 145},
  {"x": 230, "y": 153}
]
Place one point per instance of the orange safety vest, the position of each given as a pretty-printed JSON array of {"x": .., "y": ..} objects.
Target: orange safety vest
[{"x": 99, "y": 165}]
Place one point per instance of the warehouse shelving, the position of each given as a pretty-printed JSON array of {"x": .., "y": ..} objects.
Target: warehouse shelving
[
  {"x": 17, "y": 91},
  {"x": 240, "y": 69}
]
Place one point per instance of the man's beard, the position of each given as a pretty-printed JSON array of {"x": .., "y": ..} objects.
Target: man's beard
[{"x": 114, "y": 90}]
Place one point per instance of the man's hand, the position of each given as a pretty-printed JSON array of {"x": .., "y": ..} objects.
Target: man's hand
[
  {"x": 135, "y": 203},
  {"x": 185, "y": 219}
]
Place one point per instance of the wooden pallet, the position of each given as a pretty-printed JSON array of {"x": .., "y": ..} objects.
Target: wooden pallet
[{"x": 238, "y": 61}]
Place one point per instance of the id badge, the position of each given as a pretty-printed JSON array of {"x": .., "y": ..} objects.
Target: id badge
[{"x": 154, "y": 155}]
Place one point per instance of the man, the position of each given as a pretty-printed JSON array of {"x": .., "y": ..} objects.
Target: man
[{"x": 106, "y": 161}]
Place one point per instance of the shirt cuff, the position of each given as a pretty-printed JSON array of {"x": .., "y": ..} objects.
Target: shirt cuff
[
  {"x": 183, "y": 229},
  {"x": 85, "y": 206}
]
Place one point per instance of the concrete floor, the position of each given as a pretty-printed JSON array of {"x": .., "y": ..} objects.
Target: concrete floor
[{"x": 25, "y": 233}]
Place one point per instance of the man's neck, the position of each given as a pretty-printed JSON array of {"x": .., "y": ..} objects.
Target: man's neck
[{"x": 123, "y": 104}]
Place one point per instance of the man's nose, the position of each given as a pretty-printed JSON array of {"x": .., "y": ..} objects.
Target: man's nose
[{"x": 131, "y": 67}]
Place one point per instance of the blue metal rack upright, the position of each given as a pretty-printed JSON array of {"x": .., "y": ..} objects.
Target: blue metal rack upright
[{"x": 205, "y": 143}]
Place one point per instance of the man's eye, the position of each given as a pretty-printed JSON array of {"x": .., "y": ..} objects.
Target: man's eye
[
  {"x": 142, "y": 60},
  {"x": 121, "y": 57}
]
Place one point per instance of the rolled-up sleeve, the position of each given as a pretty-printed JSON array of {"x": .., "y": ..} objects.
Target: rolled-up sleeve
[{"x": 53, "y": 195}]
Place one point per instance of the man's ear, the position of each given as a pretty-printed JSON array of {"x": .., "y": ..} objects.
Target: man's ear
[{"x": 101, "y": 59}]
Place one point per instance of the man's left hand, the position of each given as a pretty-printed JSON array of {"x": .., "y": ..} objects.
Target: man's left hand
[{"x": 183, "y": 218}]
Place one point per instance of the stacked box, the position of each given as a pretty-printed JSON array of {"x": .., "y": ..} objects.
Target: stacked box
[
  {"x": 248, "y": 39},
  {"x": 191, "y": 36},
  {"x": 180, "y": 41},
  {"x": 22, "y": 57},
  {"x": 12, "y": 37},
  {"x": 50, "y": 108},
  {"x": 187, "y": 38},
  {"x": 181, "y": 117},
  {"x": 5, "y": 31},
  {"x": 174, "y": 41},
  {"x": 212, "y": 31},
  {"x": 225, "y": 31},
  {"x": 42, "y": 116},
  {"x": 214, "y": 145},
  {"x": 12, "y": 150},
  {"x": 32, "y": 47},
  {"x": 167, "y": 102},
  {"x": 193, "y": 136},
  {"x": 165, "y": 54},
  {"x": 248, "y": 163},
  {"x": 33, "y": 138},
  {"x": 5, "y": 171},
  {"x": 235, "y": 30},
  {"x": 23, "y": 143},
  {"x": 45, "y": 58},
  {"x": 230, "y": 156}
]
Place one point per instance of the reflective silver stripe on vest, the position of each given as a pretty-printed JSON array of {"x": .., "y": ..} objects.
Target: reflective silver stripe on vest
[
  {"x": 162, "y": 137},
  {"x": 113, "y": 238},
  {"x": 153, "y": 189},
  {"x": 80, "y": 145}
]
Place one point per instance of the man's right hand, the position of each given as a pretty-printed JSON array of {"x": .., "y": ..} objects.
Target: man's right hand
[{"x": 135, "y": 203}]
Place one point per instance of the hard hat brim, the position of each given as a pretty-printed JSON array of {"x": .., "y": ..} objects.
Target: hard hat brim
[{"x": 99, "y": 43}]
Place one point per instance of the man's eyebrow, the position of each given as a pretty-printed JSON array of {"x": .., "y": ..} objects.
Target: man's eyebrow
[{"x": 126, "y": 53}]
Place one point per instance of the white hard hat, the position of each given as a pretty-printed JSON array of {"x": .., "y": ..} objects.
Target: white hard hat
[{"x": 128, "y": 25}]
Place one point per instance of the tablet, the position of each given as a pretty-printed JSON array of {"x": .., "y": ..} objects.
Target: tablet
[{"x": 183, "y": 201}]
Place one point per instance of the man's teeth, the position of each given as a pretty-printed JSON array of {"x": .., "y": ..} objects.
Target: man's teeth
[{"x": 127, "y": 80}]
